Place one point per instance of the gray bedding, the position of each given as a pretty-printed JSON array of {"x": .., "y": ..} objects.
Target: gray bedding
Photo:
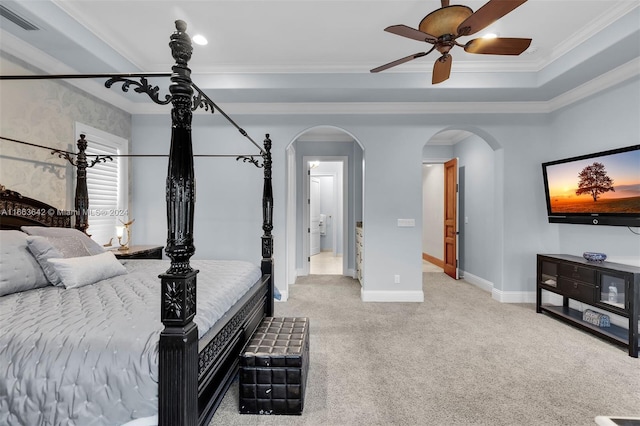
[{"x": 88, "y": 355}]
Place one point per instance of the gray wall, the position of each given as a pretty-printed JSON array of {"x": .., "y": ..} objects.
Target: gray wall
[
  {"x": 597, "y": 124},
  {"x": 477, "y": 204},
  {"x": 515, "y": 218}
]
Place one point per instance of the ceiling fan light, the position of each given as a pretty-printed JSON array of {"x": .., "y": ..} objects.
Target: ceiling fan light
[
  {"x": 444, "y": 20},
  {"x": 490, "y": 36},
  {"x": 199, "y": 39}
]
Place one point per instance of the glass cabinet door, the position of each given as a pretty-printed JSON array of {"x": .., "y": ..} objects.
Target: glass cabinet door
[
  {"x": 549, "y": 274},
  {"x": 612, "y": 289}
]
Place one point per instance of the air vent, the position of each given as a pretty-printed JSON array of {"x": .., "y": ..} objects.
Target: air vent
[{"x": 19, "y": 21}]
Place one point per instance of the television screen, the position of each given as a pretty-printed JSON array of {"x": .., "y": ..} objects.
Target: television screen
[{"x": 601, "y": 188}]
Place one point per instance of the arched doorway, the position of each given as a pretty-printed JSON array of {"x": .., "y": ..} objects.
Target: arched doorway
[
  {"x": 323, "y": 144},
  {"x": 480, "y": 206}
]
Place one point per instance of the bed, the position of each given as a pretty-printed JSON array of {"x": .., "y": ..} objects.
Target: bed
[{"x": 116, "y": 341}]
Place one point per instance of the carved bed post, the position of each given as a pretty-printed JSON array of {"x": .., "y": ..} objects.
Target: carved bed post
[
  {"x": 178, "y": 347},
  {"x": 267, "y": 225},
  {"x": 81, "y": 203}
]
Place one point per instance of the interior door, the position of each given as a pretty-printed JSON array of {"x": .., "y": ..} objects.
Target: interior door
[
  {"x": 314, "y": 216},
  {"x": 451, "y": 218}
]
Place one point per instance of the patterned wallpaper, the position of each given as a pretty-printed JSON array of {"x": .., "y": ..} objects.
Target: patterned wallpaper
[{"x": 44, "y": 112}]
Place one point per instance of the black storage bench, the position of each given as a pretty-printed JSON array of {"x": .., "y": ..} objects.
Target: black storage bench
[{"x": 274, "y": 366}]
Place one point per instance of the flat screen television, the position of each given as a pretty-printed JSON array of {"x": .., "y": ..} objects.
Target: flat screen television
[{"x": 595, "y": 189}]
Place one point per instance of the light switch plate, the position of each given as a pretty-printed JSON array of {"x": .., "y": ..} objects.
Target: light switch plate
[{"x": 406, "y": 223}]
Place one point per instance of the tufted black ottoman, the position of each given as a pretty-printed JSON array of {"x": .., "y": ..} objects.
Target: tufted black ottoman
[{"x": 274, "y": 366}]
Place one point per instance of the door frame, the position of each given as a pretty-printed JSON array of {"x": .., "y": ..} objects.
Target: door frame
[
  {"x": 312, "y": 201},
  {"x": 305, "y": 209}
]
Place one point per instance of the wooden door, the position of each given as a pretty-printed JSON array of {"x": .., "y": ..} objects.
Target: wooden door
[{"x": 451, "y": 218}]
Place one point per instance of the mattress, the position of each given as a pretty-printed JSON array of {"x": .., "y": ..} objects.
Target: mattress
[{"x": 89, "y": 356}]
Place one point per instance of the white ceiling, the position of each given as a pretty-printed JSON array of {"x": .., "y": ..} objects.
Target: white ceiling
[{"x": 314, "y": 56}]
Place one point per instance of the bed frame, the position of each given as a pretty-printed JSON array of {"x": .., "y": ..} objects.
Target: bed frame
[{"x": 194, "y": 374}]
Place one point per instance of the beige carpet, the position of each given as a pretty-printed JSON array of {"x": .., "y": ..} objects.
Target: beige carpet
[{"x": 459, "y": 358}]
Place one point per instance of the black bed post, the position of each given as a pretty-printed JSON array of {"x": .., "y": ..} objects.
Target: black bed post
[
  {"x": 267, "y": 225},
  {"x": 81, "y": 202},
  {"x": 178, "y": 347}
]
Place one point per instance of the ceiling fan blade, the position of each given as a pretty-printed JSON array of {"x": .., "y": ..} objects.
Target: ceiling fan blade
[
  {"x": 400, "y": 61},
  {"x": 445, "y": 3},
  {"x": 498, "y": 46},
  {"x": 441, "y": 69},
  {"x": 405, "y": 31},
  {"x": 487, "y": 15}
]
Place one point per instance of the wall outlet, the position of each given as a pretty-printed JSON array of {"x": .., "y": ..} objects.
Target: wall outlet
[{"x": 396, "y": 279}]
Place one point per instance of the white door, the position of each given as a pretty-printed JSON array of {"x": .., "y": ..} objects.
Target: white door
[{"x": 314, "y": 216}]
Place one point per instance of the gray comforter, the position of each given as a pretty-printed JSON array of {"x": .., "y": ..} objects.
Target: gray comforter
[{"x": 88, "y": 356}]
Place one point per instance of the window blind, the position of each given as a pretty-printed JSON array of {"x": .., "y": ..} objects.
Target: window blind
[
  {"x": 107, "y": 183},
  {"x": 105, "y": 198}
]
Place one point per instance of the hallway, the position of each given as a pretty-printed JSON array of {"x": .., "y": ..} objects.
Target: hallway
[{"x": 325, "y": 263}]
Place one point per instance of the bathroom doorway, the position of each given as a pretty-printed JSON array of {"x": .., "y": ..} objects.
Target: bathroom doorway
[{"x": 325, "y": 217}]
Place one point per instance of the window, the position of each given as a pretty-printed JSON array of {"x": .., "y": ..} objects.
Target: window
[{"x": 107, "y": 183}]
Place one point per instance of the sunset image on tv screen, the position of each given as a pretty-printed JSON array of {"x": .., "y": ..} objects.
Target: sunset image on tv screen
[{"x": 605, "y": 184}]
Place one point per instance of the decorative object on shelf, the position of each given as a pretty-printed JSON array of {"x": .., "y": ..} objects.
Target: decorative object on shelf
[
  {"x": 120, "y": 233},
  {"x": 594, "y": 257},
  {"x": 596, "y": 318},
  {"x": 613, "y": 294}
]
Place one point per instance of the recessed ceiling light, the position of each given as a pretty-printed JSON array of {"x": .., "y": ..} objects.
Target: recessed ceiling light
[
  {"x": 200, "y": 39},
  {"x": 490, "y": 35}
]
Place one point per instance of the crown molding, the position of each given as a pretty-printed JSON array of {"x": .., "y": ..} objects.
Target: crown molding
[
  {"x": 27, "y": 53},
  {"x": 586, "y": 32},
  {"x": 36, "y": 58},
  {"x": 618, "y": 75}
]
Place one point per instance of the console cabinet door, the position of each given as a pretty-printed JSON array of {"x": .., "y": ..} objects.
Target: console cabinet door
[{"x": 612, "y": 291}]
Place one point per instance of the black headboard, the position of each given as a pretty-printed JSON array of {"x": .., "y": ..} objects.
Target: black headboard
[{"x": 17, "y": 210}]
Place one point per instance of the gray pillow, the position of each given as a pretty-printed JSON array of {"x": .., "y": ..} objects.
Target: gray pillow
[
  {"x": 19, "y": 270},
  {"x": 45, "y": 248},
  {"x": 42, "y": 231}
]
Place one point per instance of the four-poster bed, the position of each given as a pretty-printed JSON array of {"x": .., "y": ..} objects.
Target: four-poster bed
[{"x": 196, "y": 356}]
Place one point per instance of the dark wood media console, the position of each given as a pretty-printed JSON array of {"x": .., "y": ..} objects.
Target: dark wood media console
[{"x": 609, "y": 287}]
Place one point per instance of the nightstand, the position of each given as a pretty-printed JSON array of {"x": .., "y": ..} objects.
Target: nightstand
[{"x": 139, "y": 252}]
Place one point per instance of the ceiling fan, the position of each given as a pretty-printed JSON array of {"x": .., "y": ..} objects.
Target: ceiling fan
[{"x": 443, "y": 26}]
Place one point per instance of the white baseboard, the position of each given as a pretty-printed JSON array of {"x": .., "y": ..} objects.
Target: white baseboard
[
  {"x": 391, "y": 296},
  {"x": 513, "y": 296},
  {"x": 499, "y": 295},
  {"x": 477, "y": 281}
]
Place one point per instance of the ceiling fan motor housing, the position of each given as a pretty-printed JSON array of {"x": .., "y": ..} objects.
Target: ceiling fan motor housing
[{"x": 445, "y": 20}]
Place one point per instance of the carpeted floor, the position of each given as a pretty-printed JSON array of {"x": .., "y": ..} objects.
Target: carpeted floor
[{"x": 459, "y": 358}]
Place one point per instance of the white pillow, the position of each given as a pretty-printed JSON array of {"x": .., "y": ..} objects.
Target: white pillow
[
  {"x": 19, "y": 270},
  {"x": 45, "y": 248},
  {"x": 80, "y": 271}
]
